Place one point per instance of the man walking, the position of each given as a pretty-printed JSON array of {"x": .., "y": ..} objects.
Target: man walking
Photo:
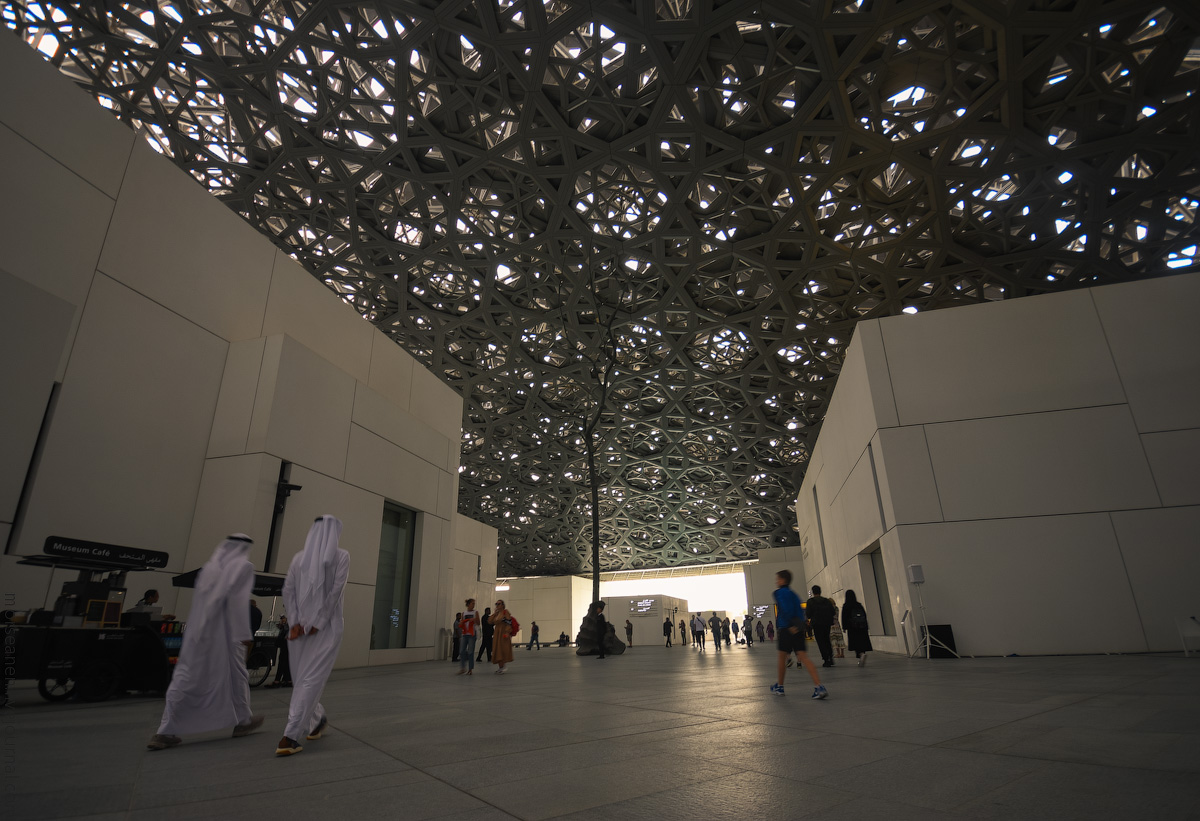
[
  {"x": 313, "y": 595},
  {"x": 748, "y": 632},
  {"x": 821, "y": 613},
  {"x": 715, "y": 624},
  {"x": 668, "y": 629},
  {"x": 698, "y": 632},
  {"x": 489, "y": 631},
  {"x": 210, "y": 688},
  {"x": 533, "y": 637},
  {"x": 790, "y": 617}
]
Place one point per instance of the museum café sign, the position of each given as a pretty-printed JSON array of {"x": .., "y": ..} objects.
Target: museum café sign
[{"x": 110, "y": 553}]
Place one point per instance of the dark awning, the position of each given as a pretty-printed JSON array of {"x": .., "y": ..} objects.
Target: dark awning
[{"x": 264, "y": 584}]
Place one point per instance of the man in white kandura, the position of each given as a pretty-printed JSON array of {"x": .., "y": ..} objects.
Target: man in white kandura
[
  {"x": 210, "y": 688},
  {"x": 312, "y": 597}
]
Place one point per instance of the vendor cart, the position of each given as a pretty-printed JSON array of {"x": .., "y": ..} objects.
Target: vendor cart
[
  {"x": 92, "y": 664},
  {"x": 80, "y": 647}
]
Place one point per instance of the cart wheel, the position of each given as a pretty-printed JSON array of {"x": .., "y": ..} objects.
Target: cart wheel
[
  {"x": 100, "y": 681},
  {"x": 59, "y": 688},
  {"x": 259, "y": 664}
]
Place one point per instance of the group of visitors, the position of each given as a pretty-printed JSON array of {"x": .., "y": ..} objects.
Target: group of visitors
[
  {"x": 496, "y": 629},
  {"x": 833, "y": 637},
  {"x": 210, "y": 686}
]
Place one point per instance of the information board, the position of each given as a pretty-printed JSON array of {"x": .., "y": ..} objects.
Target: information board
[{"x": 644, "y": 607}]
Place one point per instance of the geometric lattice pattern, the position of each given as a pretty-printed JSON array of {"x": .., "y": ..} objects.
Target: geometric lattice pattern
[{"x": 740, "y": 182}]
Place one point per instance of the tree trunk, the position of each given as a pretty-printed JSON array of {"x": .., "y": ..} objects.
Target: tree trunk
[{"x": 595, "y": 483}]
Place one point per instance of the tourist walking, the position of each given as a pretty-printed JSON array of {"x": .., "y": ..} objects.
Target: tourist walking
[
  {"x": 533, "y": 637},
  {"x": 313, "y": 594},
  {"x": 854, "y": 620},
  {"x": 790, "y": 614},
  {"x": 457, "y": 637},
  {"x": 821, "y": 615},
  {"x": 734, "y": 625},
  {"x": 725, "y": 633},
  {"x": 836, "y": 638},
  {"x": 668, "y": 629},
  {"x": 683, "y": 633},
  {"x": 283, "y": 669},
  {"x": 770, "y": 630},
  {"x": 210, "y": 687},
  {"x": 715, "y": 624},
  {"x": 759, "y": 630},
  {"x": 629, "y": 632},
  {"x": 485, "y": 640},
  {"x": 698, "y": 632},
  {"x": 501, "y": 620},
  {"x": 468, "y": 634}
]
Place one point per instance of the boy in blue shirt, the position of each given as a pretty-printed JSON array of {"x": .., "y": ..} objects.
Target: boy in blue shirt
[{"x": 789, "y": 615}]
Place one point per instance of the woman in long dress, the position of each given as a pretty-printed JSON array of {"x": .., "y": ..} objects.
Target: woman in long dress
[
  {"x": 502, "y": 652},
  {"x": 854, "y": 621}
]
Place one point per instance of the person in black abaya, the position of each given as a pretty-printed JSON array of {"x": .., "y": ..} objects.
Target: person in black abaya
[{"x": 854, "y": 622}]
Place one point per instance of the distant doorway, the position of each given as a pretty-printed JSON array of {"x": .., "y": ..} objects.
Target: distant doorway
[{"x": 887, "y": 620}]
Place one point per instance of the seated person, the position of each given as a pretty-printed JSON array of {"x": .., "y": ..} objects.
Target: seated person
[
  {"x": 563, "y": 639},
  {"x": 149, "y": 604}
]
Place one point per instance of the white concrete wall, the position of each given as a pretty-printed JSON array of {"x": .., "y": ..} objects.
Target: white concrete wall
[
  {"x": 647, "y": 630},
  {"x": 554, "y": 602},
  {"x": 193, "y": 357},
  {"x": 1036, "y": 457}
]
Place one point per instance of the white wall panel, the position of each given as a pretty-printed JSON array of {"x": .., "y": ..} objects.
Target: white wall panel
[
  {"x": 1042, "y": 585},
  {"x": 906, "y": 483},
  {"x": 856, "y": 510},
  {"x": 1037, "y": 464},
  {"x": 310, "y": 410},
  {"x": 436, "y": 404},
  {"x": 299, "y": 305},
  {"x": 1155, "y": 339},
  {"x": 376, "y": 463},
  {"x": 1160, "y": 549},
  {"x": 378, "y": 414},
  {"x": 160, "y": 243},
  {"x": 1000, "y": 358},
  {"x": 361, "y": 513},
  {"x": 52, "y": 223},
  {"x": 125, "y": 451},
  {"x": 237, "y": 495},
  {"x": 34, "y": 324},
  {"x": 1175, "y": 462},
  {"x": 51, "y": 112},
  {"x": 358, "y": 611},
  {"x": 425, "y": 619},
  {"x": 391, "y": 371},
  {"x": 235, "y": 404}
]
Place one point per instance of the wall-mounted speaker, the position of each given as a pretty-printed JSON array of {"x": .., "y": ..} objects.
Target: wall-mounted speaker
[{"x": 916, "y": 574}]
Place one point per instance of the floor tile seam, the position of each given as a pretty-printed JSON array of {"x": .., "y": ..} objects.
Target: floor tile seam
[
  {"x": 1081, "y": 763},
  {"x": 441, "y": 780},
  {"x": 259, "y": 789},
  {"x": 996, "y": 789},
  {"x": 689, "y": 780},
  {"x": 944, "y": 742}
]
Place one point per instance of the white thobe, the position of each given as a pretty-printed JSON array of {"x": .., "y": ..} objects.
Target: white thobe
[
  {"x": 314, "y": 602},
  {"x": 210, "y": 688}
]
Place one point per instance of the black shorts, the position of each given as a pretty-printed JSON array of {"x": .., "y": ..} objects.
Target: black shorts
[{"x": 791, "y": 642}]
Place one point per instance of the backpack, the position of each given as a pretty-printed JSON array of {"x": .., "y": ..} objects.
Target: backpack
[{"x": 513, "y": 625}]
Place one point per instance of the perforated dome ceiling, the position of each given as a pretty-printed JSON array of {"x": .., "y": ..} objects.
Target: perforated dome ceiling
[{"x": 740, "y": 182}]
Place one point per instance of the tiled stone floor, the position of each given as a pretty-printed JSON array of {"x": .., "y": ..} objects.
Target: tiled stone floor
[{"x": 655, "y": 734}]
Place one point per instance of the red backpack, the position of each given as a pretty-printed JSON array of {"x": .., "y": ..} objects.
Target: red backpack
[{"x": 513, "y": 625}]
